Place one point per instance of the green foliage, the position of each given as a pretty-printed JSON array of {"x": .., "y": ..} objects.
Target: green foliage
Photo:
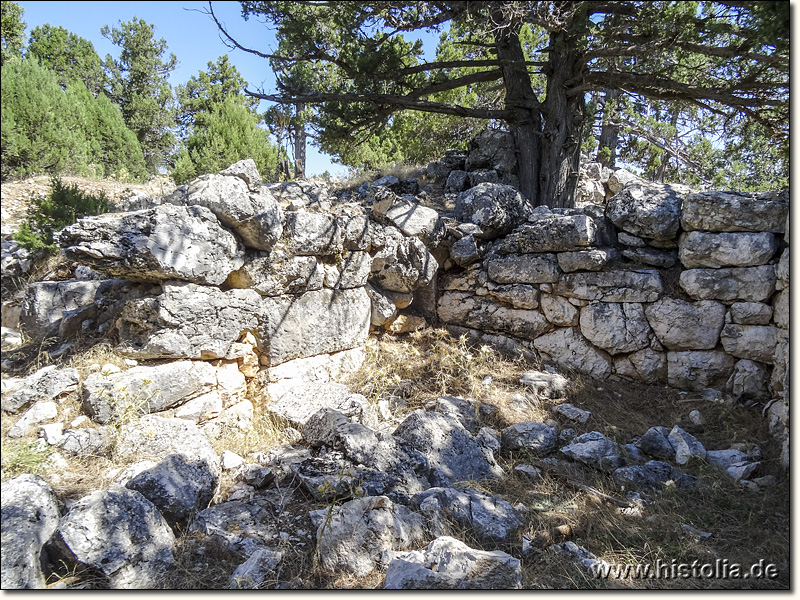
[
  {"x": 231, "y": 133},
  {"x": 21, "y": 457},
  {"x": 63, "y": 206},
  {"x": 12, "y": 31},
  {"x": 38, "y": 126},
  {"x": 137, "y": 83},
  {"x": 198, "y": 97},
  {"x": 70, "y": 56},
  {"x": 48, "y": 130}
]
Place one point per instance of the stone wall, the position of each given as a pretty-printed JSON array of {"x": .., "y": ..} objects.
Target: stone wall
[{"x": 660, "y": 285}]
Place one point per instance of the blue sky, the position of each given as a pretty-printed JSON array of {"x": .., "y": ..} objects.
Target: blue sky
[{"x": 191, "y": 35}]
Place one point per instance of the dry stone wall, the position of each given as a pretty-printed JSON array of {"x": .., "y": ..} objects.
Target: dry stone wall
[{"x": 662, "y": 286}]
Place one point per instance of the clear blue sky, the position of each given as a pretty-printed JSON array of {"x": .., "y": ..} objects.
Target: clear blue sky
[{"x": 191, "y": 35}]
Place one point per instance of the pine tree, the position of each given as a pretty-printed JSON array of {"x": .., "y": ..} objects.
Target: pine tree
[
  {"x": 12, "y": 32},
  {"x": 70, "y": 56}
]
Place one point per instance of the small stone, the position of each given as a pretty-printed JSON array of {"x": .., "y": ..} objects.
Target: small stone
[
  {"x": 231, "y": 460},
  {"x": 696, "y": 418},
  {"x": 529, "y": 471},
  {"x": 572, "y": 412},
  {"x": 685, "y": 445}
]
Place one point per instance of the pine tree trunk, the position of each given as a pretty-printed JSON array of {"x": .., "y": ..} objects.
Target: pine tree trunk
[
  {"x": 300, "y": 145},
  {"x": 521, "y": 99},
  {"x": 609, "y": 134},
  {"x": 564, "y": 118}
]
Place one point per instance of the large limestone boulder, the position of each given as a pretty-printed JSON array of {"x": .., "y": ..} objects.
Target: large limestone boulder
[
  {"x": 493, "y": 149},
  {"x": 617, "y": 328},
  {"x": 698, "y": 249},
  {"x": 312, "y": 234},
  {"x": 568, "y": 349},
  {"x": 612, "y": 286},
  {"x": 449, "y": 564},
  {"x": 523, "y": 268},
  {"x": 681, "y": 325},
  {"x": 494, "y": 207},
  {"x": 247, "y": 171},
  {"x": 414, "y": 220},
  {"x": 699, "y": 370},
  {"x": 646, "y": 365},
  {"x": 647, "y": 210},
  {"x": 46, "y": 384},
  {"x": 146, "y": 389},
  {"x": 118, "y": 534},
  {"x": 355, "y": 535},
  {"x": 453, "y": 454},
  {"x": 548, "y": 231},
  {"x": 318, "y": 322},
  {"x": 403, "y": 264},
  {"x": 752, "y": 342},
  {"x": 46, "y": 302},
  {"x": 733, "y": 211},
  {"x": 491, "y": 519},
  {"x": 178, "y": 487},
  {"x": 29, "y": 517},
  {"x": 278, "y": 272},
  {"x": 484, "y": 313},
  {"x": 749, "y": 284},
  {"x": 253, "y": 214},
  {"x": 188, "y": 321},
  {"x": 162, "y": 243}
]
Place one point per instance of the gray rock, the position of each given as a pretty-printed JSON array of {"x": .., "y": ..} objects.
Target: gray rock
[
  {"x": 490, "y": 518},
  {"x": 586, "y": 260},
  {"x": 179, "y": 488},
  {"x": 619, "y": 179},
  {"x": 752, "y": 342},
  {"x": 699, "y": 249},
  {"x": 550, "y": 232},
  {"x": 750, "y": 313},
  {"x": 188, "y": 321},
  {"x": 523, "y": 268},
  {"x": 403, "y": 264},
  {"x": 663, "y": 259},
  {"x": 253, "y": 474},
  {"x": 732, "y": 462},
  {"x": 596, "y": 450},
  {"x": 464, "y": 410},
  {"x": 573, "y": 413},
  {"x": 618, "y": 328},
  {"x": 518, "y": 295},
  {"x": 352, "y": 271},
  {"x": 699, "y": 370},
  {"x": 251, "y": 574},
  {"x": 29, "y": 517},
  {"x": 646, "y": 365},
  {"x": 300, "y": 402},
  {"x": 278, "y": 272},
  {"x": 612, "y": 286},
  {"x": 158, "y": 437},
  {"x": 457, "y": 181},
  {"x": 685, "y": 445},
  {"x": 382, "y": 309},
  {"x": 568, "y": 349},
  {"x": 749, "y": 284},
  {"x": 38, "y": 413},
  {"x": 465, "y": 251},
  {"x": 119, "y": 534},
  {"x": 247, "y": 171},
  {"x": 531, "y": 472},
  {"x": 46, "y": 384},
  {"x": 145, "y": 389},
  {"x": 312, "y": 234},
  {"x": 356, "y": 231},
  {"x": 452, "y": 453},
  {"x": 486, "y": 314},
  {"x": 558, "y": 310},
  {"x": 480, "y": 176},
  {"x": 238, "y": 526},
  {"x": 355, "y": 535},
  {"x": 299, "y": 194},
  {"x": 494, "y": 207},
  {"x": 239, "y": 203},
  {"x": 749, "y": 381},
  {"x": 492, "y": 149},
  {"x": 449, "y": 564},
  {"x": 85, "y": 442},
  {"x": 647, "y": 210},
  {"x": 150, "y": 245},
  {"x": 681, "y": 325},
  {"x": 530, "y": 436},
  {"x": 651, "y": 476},
  {"x": 655, "y": 443},
  {"x": 732, "y": 211},
  {"x": 47, "y": 302}
]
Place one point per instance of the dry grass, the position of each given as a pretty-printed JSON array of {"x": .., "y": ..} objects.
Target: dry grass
[{"x": 415, "y": 369}]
